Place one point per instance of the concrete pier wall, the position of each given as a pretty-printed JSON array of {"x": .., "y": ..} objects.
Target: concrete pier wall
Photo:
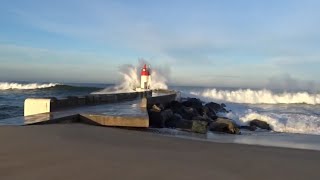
[
  {"x": 45, "y": 105},
  {"x": 163, "y": 99}
]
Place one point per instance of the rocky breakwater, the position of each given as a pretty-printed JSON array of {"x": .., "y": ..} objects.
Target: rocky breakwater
[{"x": 196, "y": 116}]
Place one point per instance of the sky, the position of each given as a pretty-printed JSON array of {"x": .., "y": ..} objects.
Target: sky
[{"x": 231, "y": 43}]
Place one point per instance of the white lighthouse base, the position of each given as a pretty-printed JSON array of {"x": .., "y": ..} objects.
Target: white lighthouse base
[{"x": 141, "y": 89}]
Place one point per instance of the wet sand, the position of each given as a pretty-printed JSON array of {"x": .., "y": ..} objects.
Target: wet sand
[{"x": 78, "y": 151}]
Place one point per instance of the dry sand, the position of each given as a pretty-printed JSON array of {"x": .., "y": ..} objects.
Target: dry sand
[{"x": 78, "y": 151}]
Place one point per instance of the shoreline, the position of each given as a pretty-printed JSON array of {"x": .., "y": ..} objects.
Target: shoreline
[
  {"x": 263, "y": 138},
  {"x": 78, "y": 151}
]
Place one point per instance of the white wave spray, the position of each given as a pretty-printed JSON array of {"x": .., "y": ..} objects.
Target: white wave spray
[
  {"x": 259, "y": 96},
  {"x": 288, "y": 121},
  {"x": 130, "y": 78},
  {"x": 9, "y": 86},
  {"x": 285, "y": 112}
]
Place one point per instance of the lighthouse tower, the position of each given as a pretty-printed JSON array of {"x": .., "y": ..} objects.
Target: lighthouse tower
[{"x": 145, "y": 78}]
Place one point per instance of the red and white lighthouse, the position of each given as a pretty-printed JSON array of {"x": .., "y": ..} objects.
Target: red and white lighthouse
[{"x": 145, "y": 78}]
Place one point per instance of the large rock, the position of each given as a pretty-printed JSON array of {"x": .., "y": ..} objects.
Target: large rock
[
  {"x": 260, "y": 124},
  {"x": 199, "y": 127},
  {"x": 159, "y": 119},
  {"x": 172, "y": 122},
  {"x": 193, "y": 126},
  {"x": 175, "y": 106},
  {"x": 224, "y": 125},
  {"x": 207, "y": 112},
  {"x": 250, "y": 128},
  {"x": 194, "y": 103},
  {"x": 215, "y": 107},
  {"x": 188, "y": 113}
]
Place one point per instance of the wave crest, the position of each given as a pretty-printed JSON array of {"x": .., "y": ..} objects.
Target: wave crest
[
  {"x": 280, "y": 122},
  {"x": 9, "y": 86},
  {"x": 259, "y": 96}
]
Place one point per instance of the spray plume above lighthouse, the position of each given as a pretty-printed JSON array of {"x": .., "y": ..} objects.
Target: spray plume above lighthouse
[{"x": 138, "y": 77}]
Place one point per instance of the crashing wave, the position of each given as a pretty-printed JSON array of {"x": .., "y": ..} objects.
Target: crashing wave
[
  {"x": 288, "y": 122},
  {"x": 130, "y": 79},
  {"x": 259, "y": 96},
  {"x": 9, "y": 86}
]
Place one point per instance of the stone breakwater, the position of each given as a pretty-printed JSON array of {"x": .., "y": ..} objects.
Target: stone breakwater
[{"x": 193, "y": 115}]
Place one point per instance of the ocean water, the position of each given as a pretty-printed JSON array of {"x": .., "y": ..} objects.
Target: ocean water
[
  {"x": 13, "y": 94},
  {"x": 286, "y": 112}
]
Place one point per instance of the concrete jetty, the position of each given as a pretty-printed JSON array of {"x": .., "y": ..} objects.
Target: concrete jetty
[{"x": 116, "y": 109}]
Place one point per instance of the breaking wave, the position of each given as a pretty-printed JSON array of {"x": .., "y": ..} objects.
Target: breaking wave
[
  {"x": 281, "y": 119},
  {"x": 288, "y": 112},
  {"x": 11, "y": 86},
  {"x": 264, "y": 96}
]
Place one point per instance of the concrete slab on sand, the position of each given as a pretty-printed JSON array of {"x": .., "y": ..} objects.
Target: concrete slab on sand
[
  {"x": 81, "y": 152},
  {"x": 128, "y": 114}
]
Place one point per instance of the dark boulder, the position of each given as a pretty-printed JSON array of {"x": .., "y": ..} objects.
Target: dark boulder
[
  {"x": 209, "y": 113},
  {"x": 199, "y": 127},
  {"x": 201, "y": 118},
  {"x": 250, "y": 128},
  {"x": 193, "y": 126},
  {"x": 260, "y": 124},
  {"x": 215, "y": 107},
  {"x": 188, "y": 113},
  {"x": 159, "y": 119},
  {"x": 175, "y": 106},
  {"x": 224, "y": 125},
  {"x": 172, "y": 122},
  {"x": 155, "y": 119},
  {"x": 204, "y": 118},
  {"x": 194, "y": 103}
]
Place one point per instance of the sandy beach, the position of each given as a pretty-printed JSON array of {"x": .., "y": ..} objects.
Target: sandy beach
[{"x": 78, "y": 151}]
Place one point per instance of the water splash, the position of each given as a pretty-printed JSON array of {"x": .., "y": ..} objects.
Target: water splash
[{"x": 130, "y": 78}]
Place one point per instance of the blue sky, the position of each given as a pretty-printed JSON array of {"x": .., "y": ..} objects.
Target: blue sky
[{"x": 245, "y": 43}]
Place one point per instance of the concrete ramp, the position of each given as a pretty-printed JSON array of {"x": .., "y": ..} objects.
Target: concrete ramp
[{"x": 116, "y": 121}]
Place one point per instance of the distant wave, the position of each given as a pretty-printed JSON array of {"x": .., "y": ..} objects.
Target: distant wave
[
  {"x": 9, "y": 86},
  {"x": 73, "y": 88},
  {"x": 259, "y": 96}
]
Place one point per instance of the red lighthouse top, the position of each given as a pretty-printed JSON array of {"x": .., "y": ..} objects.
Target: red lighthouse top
[{"x": 145, "y": 71}]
